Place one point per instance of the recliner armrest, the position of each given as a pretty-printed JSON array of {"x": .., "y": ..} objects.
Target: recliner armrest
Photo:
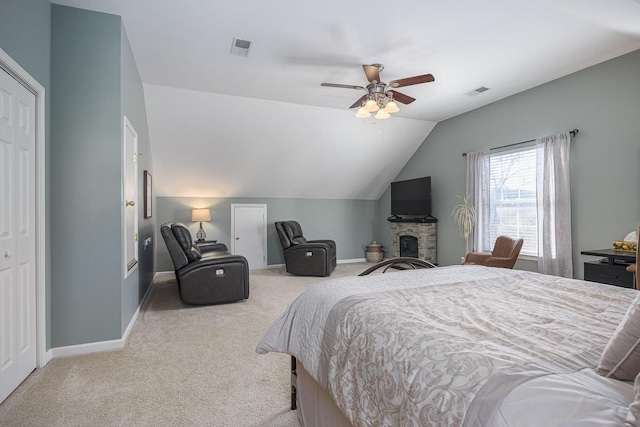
[
  {"x": 325, "y": 241},
  {"x": 309, "y": 246},
  {"x": 211, "y": 262},
  {"x": 210, "y": 247}
]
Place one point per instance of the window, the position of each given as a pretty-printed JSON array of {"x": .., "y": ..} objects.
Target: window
[
  {"x": 525, "y": 192},
  {"x": 512, "y": 195}
]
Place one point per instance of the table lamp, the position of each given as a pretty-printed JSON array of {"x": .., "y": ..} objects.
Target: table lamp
[{"x": 200, "y": 215}]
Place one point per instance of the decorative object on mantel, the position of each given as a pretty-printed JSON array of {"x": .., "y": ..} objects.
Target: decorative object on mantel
[
  {"x": 464, "y": 215},
  {"x": 380, "y": 96},
  {"x": 628, "y": 244},
  {"x": 200, "y": 215}
]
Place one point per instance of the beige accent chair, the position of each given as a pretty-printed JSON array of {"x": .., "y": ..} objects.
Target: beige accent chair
[
  {"x": 633, "y": 268},
  {"x": 505, "y": 254}
]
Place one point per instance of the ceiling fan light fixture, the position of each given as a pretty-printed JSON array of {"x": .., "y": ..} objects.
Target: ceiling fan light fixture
[
  {"x": 371, "y": 106},
  {"x": 380, "y": 97},
  {"x": 391, "y": 107},
  {"x": 362, "y": 113},
  {"x": 382, "y": 114}
]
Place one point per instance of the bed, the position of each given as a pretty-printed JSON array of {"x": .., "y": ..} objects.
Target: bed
[{"x": 457, "y": 346}]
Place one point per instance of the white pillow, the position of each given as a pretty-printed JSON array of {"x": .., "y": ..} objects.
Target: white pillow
[
  {"x": 633, "y": 416},
  {"x": 621, "y": 356}
]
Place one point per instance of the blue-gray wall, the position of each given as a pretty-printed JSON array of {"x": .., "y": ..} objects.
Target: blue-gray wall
[
  {"x": 95, "y": 82},
  {"x": 350, "y": 223},
  {"x": 602, "y": 101},
  {"x": 25, "y": 34},
  {"x": 86, "y": 176}
]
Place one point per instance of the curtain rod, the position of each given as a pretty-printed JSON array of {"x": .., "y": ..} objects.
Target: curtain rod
[{"x": 573, "y": 133}]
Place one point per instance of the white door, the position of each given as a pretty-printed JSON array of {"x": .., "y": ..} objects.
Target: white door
[
  {"x": 130, "y": 182},
  {"x": 249, "y": 233},
  {"x": 17, "y": 234}
]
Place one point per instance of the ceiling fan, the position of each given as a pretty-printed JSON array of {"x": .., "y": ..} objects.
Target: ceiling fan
[{"x": 380, "y": 95}]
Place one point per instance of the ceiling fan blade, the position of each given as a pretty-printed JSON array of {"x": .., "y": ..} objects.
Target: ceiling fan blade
[
  {"x": 401, "y": 97},
  {"x": 342, "y": 86},
  {"x": 358, "y": 103},
  {"x": 425, "y": 78},
  {"x": 373, "y": 76}
]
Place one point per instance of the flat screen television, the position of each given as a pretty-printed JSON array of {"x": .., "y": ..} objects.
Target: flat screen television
[{"x": 411, "y": 197}]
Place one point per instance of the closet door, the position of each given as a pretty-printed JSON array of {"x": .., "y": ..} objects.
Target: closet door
[
  {"x": 249, "y": 233},
  {"x": 17, "y": 234}
]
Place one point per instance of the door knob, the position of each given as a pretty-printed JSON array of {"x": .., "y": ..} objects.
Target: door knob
[
  {"x": 237, "y": 238},
  {"x": 7, "y": 254},
  {"x": 130, "y": 203}
]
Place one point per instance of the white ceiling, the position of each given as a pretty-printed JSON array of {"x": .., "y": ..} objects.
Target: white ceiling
[{"x": 263, "y": 127}]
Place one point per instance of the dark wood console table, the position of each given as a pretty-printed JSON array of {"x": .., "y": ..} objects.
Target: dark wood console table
[{"x": 611, "y": 268}]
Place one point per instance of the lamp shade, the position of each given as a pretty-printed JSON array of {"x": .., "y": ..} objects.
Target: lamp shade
[
  {"x": 362, "y": 113},
  {"x": 371, "y": 106},
  {"x": 381, "y": 115},
  {"x": 198, "y": 215},
  {"x": 391, "y": 107}
]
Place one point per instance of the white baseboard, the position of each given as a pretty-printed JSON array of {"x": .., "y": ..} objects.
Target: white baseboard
[
  {"x": 163, "y": 273},
  {"x": 95, "y": 347},
  {"x": 350, "y": 261},
  {"x": 92, "y": 347},
  {"x": 134, "y": 318},
  {"x": 48, "y": 355},
  {"x": 275, "y": 265}
]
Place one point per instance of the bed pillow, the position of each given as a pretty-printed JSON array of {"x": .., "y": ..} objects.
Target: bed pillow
[
  {"x": 633, "y": 416},
  {"x": 621, "y": 356}
]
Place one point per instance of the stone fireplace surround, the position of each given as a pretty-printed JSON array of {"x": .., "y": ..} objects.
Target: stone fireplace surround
[{"x": 424, "y": 232}]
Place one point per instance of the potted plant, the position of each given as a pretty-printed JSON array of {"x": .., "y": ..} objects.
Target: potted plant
[{"x": 464, "y": 215}]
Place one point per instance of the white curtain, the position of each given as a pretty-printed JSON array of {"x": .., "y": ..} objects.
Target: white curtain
[
  {"x": 554, "y": 205},
  {"x": 478, "y": 175}
]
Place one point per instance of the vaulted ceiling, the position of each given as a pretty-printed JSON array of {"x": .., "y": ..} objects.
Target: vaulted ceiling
[{"x": 262, "y": 126}]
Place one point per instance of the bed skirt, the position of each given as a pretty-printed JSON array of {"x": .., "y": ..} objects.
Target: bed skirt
[{"x": 315, "y": 406}]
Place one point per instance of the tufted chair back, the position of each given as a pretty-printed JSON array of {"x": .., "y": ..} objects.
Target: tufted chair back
[
  {"x": 290, "y": 234},
  {"x": 176, "y": 252},
  {"x": 183, "y": 237}
]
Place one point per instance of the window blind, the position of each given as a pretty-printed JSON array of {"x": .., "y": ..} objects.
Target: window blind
[{"x": 512, "y": 187}]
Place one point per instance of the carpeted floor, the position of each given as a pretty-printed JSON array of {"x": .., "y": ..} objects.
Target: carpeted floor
[{"x": 181, "y": 366}]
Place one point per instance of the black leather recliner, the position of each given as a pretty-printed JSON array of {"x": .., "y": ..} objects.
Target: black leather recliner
[
  {"x": 305, "y": 257},
  {"x": 206, "y": 273}
]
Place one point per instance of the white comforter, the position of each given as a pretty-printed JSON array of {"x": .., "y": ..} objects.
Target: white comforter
[{"x": 417, "y": 347}]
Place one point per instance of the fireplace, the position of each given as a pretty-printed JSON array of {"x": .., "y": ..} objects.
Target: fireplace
[
  {"x": 414, "y": 239},
  {"x": 409, "y": 246}
]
